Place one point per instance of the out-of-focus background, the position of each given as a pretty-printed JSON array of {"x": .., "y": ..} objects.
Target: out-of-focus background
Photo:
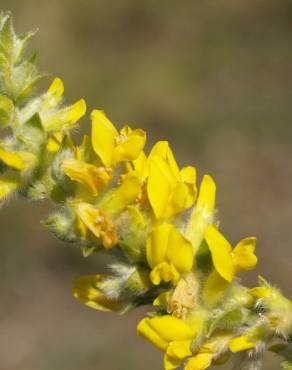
[{"x": 212, "y": 77}]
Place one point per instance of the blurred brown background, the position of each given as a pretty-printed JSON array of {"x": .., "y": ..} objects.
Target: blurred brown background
[{"x": 212, "y": 77}]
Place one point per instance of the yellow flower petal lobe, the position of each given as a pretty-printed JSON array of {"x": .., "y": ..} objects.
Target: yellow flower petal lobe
[
  {"x": 241, "y": 343},
  {"x": 221, "y": 253},
  {"x": 199, "y": 362},
  {"x": 243, "y": 254},
  {"x": 103, "y": 137},
  {"x": 56, "y": 89}
]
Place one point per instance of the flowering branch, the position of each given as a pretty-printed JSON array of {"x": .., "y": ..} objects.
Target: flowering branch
[{"x": 147, "y": 214}]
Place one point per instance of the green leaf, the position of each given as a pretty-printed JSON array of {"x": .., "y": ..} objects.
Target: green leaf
[
  {"x": 4, "y": 69},
  {"x": 62, "y": 225},
  {"x": 230, "y": 320},
  {"x": 6, "y": 108},
  {"x": 32, "y": 134},
  {"x": 22, "y": 41},
  {"x": 7, "y": 36},
  {"x": 25, "y": 77}
]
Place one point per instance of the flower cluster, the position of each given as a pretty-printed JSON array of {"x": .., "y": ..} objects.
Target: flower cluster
[{"x": 147, "y": 214}]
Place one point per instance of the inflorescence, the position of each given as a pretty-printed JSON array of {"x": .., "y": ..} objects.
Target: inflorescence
[{"x": 147, "y": 214}]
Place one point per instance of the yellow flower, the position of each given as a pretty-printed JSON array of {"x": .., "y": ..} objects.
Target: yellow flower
[
  {"x": 98, "y": 223},
  {"x": 203, "y": 213},
  {"x": 65, "y": 118},
  {"x": 169, "y": 189},
  {"x": 126, "y": 194},
  {"x": 169, "y": 254},
  {"x": 92, "y": 177},
  {"x": 228, "y": 262},
  {"x": 277, "y": 307},
  {"x": 112, "y": 146},
  {"x": 54, "y": 117},
  {"x": 86, "y": 290},
  {"x": 60, "y": 119},
  {"x": 171, "y": 335}
]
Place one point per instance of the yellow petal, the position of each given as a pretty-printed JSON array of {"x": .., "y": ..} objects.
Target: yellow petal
[
  {"x": 157, "y": 244},
  {"x": 189, "y": 175},
  {"x": 141, "y": 166},
  {"x": 160, "y": 184},
  {"x": 7, "y": 186},
  {"x": 182, "y": 197},
  {"x": 129, "y": 145},
  {"x": 86, "y": 290},
  {"x": 18, "y": 160},
  {"x": 179, "y": 349},
  {"x": 124, "y": 195},
  {"x": 171, "y": 328},
  {"x": 207, "y": 195},
  {"x": 203, "y": 213},
  {"x": 162, "y": 300},
  {"x": 80, "y": 226},
  {"x": 243, "y": 254},
  {"x": 76, "y": 111},
  {"x": 93, "y": 178},
  {"x": 56, "y": 89},
  {"x": 184, "y": 193},
  {"x": 166, "y": 272},
  {"x": 221, "y": 253},
  {"x": 12, "y": 159},
  {"x": 162, "y": 149},
  {"x": 97, "y": 222},
  {"x": 179, "y": 251},
  {"x": 241, "y": 343},
  {"x": 261, "y": 292},
  {"x": 54, "y": 142},
  {"x": 171, "y": 363},
  {"x": 103, "y": 137},
  {"x": 64, "y": 119},
  {"x": 214, "y": 289},
  {"x": 150, "y": 334},
  {"x": 199, "y": 362}
]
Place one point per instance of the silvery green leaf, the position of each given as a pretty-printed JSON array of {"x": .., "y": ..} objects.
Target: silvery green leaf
[
  {"x": 32, "y": 134},
  {"x": 21, "y": 44},
  {"x": 7, "y": 36},
  {"x": 230, "y": 320},
  {"x": 6, "y": 109}
]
